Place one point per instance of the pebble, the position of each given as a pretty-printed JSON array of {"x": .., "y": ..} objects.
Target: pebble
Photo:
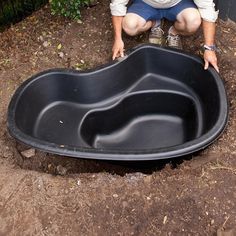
[
  {"x": 164, "y": 220},
  {"x": 40, "y": 38},
  {"x": 61, "y": 170},
  {"x": 46, "y": 44},
  {"x": 28, "y": 153},
  {"x": 61, "y": 54}
]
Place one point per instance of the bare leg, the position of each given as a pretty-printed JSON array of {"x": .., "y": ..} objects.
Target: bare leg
[
  {"x": 187, "y": 23},
  {"x": 134, "y": 24}
]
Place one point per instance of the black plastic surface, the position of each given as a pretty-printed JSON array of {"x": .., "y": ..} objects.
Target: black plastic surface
[{"x": 156, "y": 103}]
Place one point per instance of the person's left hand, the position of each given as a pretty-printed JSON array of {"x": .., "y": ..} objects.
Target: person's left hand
[{"x": 210, "y": 58}]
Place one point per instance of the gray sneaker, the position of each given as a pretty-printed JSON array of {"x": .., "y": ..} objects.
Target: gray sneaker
[
  {"x": 156, "y": 35},
  {"x": 174, "y": 41}
]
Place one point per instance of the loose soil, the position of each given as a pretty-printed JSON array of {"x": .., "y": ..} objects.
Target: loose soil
[{"x": 52, "y": 195}]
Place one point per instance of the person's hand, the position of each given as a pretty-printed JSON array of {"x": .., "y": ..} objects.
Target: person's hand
[
  {"x": 118, "y": 49},
  {"x": 210, "y": 58}
]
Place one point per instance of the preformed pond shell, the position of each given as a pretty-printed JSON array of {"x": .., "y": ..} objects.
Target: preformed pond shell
[{"x": 155, "y": 103}]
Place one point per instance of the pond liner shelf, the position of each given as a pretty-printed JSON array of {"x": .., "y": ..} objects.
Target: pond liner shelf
[{"x": 156, "y": 103}]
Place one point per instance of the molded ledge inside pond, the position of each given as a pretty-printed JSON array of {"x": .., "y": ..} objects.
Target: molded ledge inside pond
[{"x": 142, "y": 121}]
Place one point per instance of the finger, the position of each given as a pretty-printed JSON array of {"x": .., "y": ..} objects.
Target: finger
[
  {"x": 206, "y": 65},
  {"x": 122, "y": 53},
  {"x": 216, "y": 67},
  {"x": 115, "y": 54}
]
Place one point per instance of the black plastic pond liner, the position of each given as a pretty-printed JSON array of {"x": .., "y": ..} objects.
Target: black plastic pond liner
[{"x": 157, "y": 103}]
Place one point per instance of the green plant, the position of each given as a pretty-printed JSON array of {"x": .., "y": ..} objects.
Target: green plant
[{"x": 68, "y": 8}]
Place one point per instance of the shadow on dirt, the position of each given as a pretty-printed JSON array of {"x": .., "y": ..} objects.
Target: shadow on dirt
[{"x": 61, "y": 165}]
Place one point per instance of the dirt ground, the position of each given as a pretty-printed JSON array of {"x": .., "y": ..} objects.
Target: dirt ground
[{"x": 52, "y": 195}]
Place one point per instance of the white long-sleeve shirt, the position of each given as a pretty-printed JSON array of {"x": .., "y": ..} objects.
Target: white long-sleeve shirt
[{"x": 205, "y": 7}]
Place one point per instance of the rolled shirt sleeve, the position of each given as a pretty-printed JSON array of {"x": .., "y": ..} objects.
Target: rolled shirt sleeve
[
  {"x": 118, "y": 7},
  {"x": 207, "y": 10}
]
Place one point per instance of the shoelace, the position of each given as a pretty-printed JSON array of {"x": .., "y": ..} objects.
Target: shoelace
[
  {"x": 157, "y": 31},
  {"x": 174, "y": 40}
]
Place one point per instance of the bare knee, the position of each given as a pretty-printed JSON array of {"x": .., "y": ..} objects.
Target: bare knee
[
  {"x": 192, "y": 24},
  {"x": 191, "y": 21},
  {"x": 132, "y": 24}
]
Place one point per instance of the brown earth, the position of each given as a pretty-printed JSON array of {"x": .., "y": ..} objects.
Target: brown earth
[{"x": 52, "y": 195}]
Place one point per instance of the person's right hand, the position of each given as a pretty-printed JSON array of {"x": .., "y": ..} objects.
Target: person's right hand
[
  {"x": 118, "y": 49},
  {"x": 210, "y": 58}
]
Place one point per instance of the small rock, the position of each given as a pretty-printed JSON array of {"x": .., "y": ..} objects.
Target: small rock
[
  {"x": 40, "y": 38},
  {"x": 115, "y": 195},
  {"x": 78, "y": 182},
  {"x": 61, "y": 170},
  {"x": 164, "y": 220},
  {"x": 46, "y": 44},
  {"x": 28, "y": 153},
  {"x": 61, "y": 54}
]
